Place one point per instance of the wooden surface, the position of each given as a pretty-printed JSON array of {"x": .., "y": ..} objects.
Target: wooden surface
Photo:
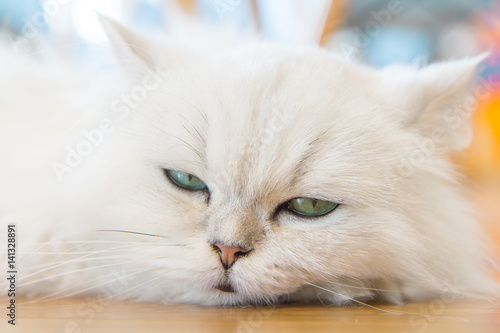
[{"x": 88, "y": 315}]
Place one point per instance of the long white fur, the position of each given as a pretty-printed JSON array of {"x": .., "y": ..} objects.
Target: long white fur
[{"x": 259, "y": 124}]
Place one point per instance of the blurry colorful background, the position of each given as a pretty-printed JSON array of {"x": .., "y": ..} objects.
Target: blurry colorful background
[{"x": 378, "y": 32}]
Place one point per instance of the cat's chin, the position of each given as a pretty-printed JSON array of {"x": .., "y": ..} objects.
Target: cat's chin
[
  {"x": 242, "y": 298},
  {"x": 238, "y": 293},
  {"x": 223, "y": 294},
  {"x": 236, "y": 297},
  {"x": 244, "y": 293}
]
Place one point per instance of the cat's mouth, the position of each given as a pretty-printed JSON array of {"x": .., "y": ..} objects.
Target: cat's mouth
[{"x": 225, "y": 286}]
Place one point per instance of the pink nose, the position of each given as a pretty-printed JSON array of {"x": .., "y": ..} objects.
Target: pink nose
[{"x": 229, "y": 254}]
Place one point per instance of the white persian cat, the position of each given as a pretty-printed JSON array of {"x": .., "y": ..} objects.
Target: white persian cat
[{"x": 254, "y": 173}]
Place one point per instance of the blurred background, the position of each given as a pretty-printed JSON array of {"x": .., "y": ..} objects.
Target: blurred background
[{"x": 377, "y": 32}]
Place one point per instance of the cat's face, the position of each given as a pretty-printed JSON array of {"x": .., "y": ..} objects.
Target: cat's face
[{"x": 260, "y": 126}]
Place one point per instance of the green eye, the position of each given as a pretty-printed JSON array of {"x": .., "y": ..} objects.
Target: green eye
[
  {"x": 185, "y": 180},
  {"x": 311, "y": 206}
]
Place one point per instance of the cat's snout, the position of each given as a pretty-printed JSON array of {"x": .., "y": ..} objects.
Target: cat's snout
[{"x": 229, "y": 254}]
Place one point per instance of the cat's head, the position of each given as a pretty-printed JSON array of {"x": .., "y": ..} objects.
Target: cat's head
[{"x": 270, "y": 167}]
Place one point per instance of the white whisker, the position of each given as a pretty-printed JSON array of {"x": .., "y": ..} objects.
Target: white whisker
[
  {"x": 51, "y": 296},
  {"x": 73, "y": 272},
  {"x": 73, "y": 261}
]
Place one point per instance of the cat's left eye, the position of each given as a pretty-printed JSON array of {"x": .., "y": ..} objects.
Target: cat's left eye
[
  {"x": 311, "y": 207},
  {"x": 185, "y": 180}
]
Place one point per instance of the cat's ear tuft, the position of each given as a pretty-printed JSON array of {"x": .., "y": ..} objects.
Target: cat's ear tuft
[
  {"x": 130, "y": 48},
  {"x": 446, "y": 101}
]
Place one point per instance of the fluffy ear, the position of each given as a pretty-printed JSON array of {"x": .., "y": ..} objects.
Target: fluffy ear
[
  {"x": 131, "y": 49},
  {"x": 446, "y": 102}
]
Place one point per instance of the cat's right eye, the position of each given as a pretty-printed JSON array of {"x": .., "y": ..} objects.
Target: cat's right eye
[
  {"x": 185, "y": 180},
  {"x": 311, "y": 207}
]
